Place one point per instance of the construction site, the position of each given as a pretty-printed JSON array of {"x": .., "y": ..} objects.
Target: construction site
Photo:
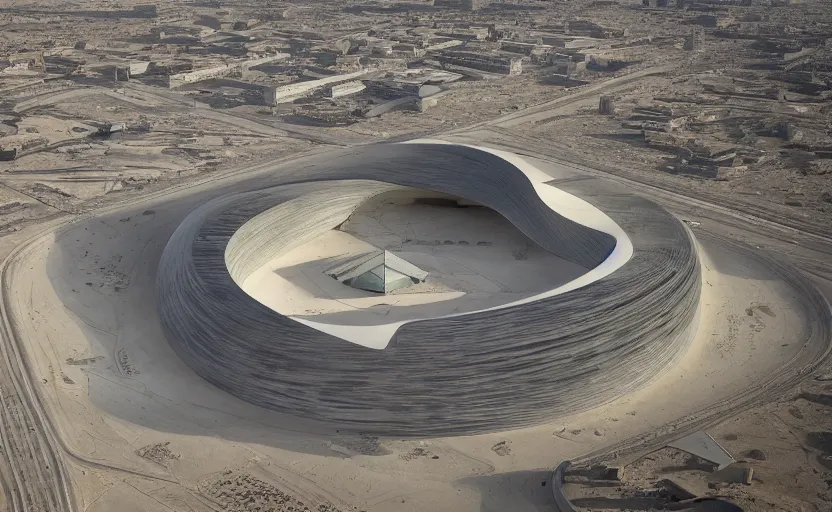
[{"x": 425, "y": 255}]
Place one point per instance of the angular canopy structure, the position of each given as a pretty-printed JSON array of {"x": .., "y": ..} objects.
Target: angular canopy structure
[
  {"x": 703, "y": 446},
  {"x": 378, "y": 271}
]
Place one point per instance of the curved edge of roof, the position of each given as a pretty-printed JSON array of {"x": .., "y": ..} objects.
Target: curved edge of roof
[{"x": 569, "y": 206}]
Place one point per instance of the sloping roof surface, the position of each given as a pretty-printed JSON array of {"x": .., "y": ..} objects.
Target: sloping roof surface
[{"x": 703, "y": 446}]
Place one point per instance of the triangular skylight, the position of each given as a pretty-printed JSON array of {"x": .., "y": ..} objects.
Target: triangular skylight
[{"x": 378, "y": 271}]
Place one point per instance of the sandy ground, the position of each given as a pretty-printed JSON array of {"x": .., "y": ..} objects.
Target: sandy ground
[
  {"x": 787, "y": 445},
  {"x": 475, "y": 260},
  {"x": 115, "y": 389},
  {"x": 121, "y": 398}
]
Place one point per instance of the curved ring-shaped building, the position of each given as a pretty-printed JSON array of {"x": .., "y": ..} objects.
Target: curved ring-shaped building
[{"x": 566, "y": 350}]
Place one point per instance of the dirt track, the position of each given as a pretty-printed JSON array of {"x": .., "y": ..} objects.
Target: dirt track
[{"x": 34, "y": 476}]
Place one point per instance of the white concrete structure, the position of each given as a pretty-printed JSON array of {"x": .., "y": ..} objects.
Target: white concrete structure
[
  {"x": 345, "y": 89},
  {"x": 443, "y": 45},
  {"x": 180, "y": 79},
  {"x": 287, "y": 93},
  {"x": 573, "y": 208},
  {"x": 705, "y": 447},
  {"x": 138, "y": 67},
  {"x": 565, "y": 352},
  {"x": 199, "y": 75}
]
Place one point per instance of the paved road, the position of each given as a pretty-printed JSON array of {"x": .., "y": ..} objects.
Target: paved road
[{"x": 547, "y": 110}]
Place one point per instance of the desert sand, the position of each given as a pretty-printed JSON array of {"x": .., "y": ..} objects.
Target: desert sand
[
  {"x": 119, "y": 122},
  {"x": 84, "y": 300}
]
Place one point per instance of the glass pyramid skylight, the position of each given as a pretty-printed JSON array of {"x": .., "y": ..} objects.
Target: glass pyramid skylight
[{"x": 378, "y": 271}]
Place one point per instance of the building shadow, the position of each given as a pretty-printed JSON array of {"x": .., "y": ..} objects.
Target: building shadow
[{"x": 518, "y": 491}]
